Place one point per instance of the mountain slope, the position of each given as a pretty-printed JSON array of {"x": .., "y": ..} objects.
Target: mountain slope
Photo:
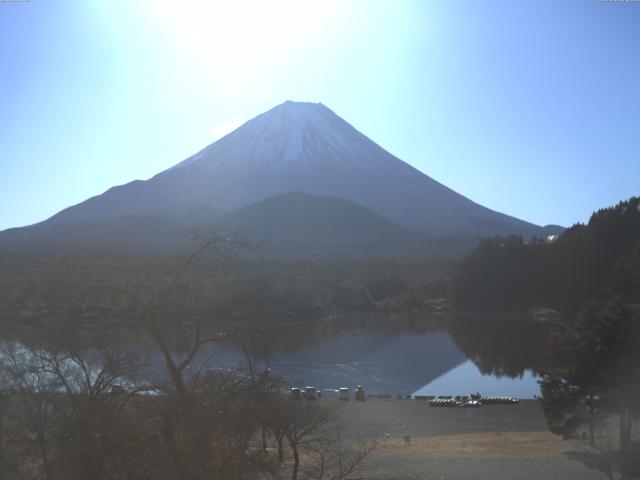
[
  {"x": 297, "y": 223},
  {"x": 293, "y": 225},
  {"x": 301, "y": 213},
  {"x": 300, "y": 147},
  {"x": 126, "y": 233}
]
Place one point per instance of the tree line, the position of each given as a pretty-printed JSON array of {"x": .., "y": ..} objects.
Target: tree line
[
  {"x": 40, "y": 290},
  {"x": 516, "y": 274}
]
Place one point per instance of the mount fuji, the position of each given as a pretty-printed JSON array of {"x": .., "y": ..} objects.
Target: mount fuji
[{"x": 294, "y": 147}]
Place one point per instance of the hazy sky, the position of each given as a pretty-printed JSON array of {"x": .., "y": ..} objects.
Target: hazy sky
[{"x": 531, "y": 107}]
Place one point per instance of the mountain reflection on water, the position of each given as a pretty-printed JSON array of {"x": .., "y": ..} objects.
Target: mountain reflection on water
[
  {"x": 457, "y": 356},
  {"x": 467, "y": 378},
  {"x": 394, "y": 363},
  {"x": 425, "y": 356},
  {"x": 493, "y": 359}
]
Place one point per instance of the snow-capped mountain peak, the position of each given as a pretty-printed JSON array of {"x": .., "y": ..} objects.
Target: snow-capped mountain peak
[
  {"x": 292, "y": 133},
  {"x": 302, "y": 147}
]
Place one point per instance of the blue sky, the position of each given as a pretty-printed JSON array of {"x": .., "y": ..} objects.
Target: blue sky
[{"x": 531, "y": 108}]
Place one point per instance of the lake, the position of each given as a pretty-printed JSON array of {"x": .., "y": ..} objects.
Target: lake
[
  {"x": 393, "y": 361},
  {"x": 396, "y": 363},
  {"x": 412, "y": 357}
]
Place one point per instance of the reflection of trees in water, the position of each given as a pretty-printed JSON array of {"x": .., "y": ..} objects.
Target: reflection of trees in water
[
  {"x": 267, "y": 335},
  {"x": 500, "y": 346},
  {"x": 314, "y": 331}
]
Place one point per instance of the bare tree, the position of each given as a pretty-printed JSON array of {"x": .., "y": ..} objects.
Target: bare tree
[
  {"x": 300, "y": 421},
  {"x": 67, "y": 409},
  {"x": 96, "y": 388},
  {"x": 32, "y": 406},
  {"x": 203, "y": 416},
  {"x": 337, "y": 459}
]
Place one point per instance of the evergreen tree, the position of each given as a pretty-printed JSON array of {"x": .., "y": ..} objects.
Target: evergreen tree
[{"x": 596, "y": 359}]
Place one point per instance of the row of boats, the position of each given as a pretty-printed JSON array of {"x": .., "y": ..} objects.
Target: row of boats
[
  {"x": 312, "y": 393},
  {"x": 466, "y": 401},
  {"x": 471, "y": 402}
]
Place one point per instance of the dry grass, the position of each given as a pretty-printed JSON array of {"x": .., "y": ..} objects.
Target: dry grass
[{"x": 482, "y": 445}]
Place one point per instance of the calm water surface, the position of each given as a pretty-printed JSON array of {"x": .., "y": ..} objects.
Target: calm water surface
[
  {"x": 388, "y": 363},
  {"x": 396, "y": 360}
]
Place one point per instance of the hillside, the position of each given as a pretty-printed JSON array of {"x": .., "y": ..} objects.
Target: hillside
[{"x": 297, "y": 223}]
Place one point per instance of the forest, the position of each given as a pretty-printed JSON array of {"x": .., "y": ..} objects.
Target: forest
[
  {"x": 593, "y": 373},
  {"x": 563, "y": 272},
  {"x": 590, "y": 377},
  {"x": 53, "y": 289}
]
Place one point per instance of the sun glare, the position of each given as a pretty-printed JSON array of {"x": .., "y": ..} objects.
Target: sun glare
[{"x": 241, "y": 29}]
